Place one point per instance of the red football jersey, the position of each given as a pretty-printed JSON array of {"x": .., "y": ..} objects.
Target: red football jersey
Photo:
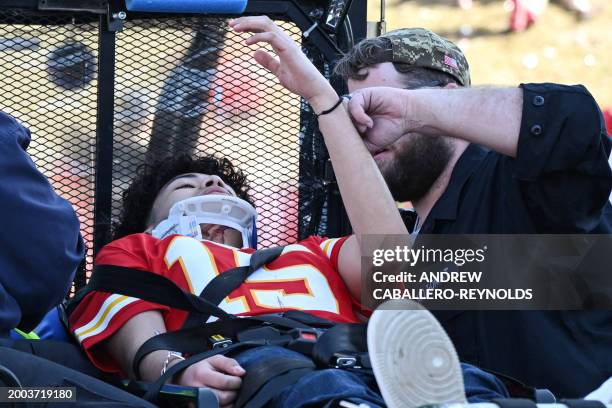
[{"x": 304, "y": 277}]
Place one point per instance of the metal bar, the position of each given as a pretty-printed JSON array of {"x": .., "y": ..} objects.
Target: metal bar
[
  {"x": 383, "y": 22},
  {"x": 358, "y": 15},
  {"x": 83, "y": 6},
  {"x": 44, "y": 18},
  {"x": 267, "y": 7},
  {"x": 298, "y": 16},
  {"x": 104, "y": 136},
  {"x": 21, "y": 4}
]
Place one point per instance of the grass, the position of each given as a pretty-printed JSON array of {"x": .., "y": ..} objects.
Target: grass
[{"x": 558, "y": 48}]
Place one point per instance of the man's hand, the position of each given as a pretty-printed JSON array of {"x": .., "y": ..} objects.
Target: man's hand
[
  {"x": 382, "y": 115},
  {"x": 219, "y": 373},
  {"x": 490, "y": 117},
  {"x": 292, "y": 68}
]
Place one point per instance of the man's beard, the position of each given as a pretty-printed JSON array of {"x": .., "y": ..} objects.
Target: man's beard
[{"x": 416, "y": 164}]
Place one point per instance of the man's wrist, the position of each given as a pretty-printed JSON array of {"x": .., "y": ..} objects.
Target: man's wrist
[
  {"x": 420, "y": 110},
  {"x": 323, "y": 100},
  {"x": 172, "y": 358},
  {"x": 151, "y": 365}
]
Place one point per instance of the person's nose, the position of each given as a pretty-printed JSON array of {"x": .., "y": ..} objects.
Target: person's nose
[{"x": 212, "y": 181}]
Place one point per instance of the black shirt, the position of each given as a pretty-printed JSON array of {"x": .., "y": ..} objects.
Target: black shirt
[{"x": 559, "y": 182}]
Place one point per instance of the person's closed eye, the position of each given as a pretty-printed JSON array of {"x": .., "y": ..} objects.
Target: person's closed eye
[{"x": 184, "y": 186}]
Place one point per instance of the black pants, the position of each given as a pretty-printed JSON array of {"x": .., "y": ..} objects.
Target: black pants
[{"x": 42, "y": 363}]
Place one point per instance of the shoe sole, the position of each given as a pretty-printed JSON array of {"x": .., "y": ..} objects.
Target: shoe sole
[{"x": 413, "y": 359}]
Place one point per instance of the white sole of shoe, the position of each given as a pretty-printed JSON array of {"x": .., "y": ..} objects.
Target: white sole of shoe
[{"x": 413, "y": 359}]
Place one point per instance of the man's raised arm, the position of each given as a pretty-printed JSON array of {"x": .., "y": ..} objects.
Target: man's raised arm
[{"x": 553, "y": 136}]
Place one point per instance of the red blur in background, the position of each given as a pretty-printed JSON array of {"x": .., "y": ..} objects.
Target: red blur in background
[{"x": 608, "y": 119}]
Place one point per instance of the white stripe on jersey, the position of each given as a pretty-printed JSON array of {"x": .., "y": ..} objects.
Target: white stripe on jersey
[
  {"x": 328, "y": 246},
  {"x": 294, "y": 248},
  {"x": 111, "y": 306}
]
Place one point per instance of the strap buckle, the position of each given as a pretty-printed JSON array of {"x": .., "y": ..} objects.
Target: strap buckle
[
  {"x": 217, "y": 341},
  {"x": 341, "y": 360},
  {"x": 303, "y": 340},
  {"x": 310, "y": 335}
]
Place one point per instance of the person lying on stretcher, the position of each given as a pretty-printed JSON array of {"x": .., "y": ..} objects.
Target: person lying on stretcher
[{"x": 190, "y": 219}]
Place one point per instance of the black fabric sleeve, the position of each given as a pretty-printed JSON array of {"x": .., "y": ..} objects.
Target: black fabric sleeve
[
  {"x": 562, "y": 158},
  {"x": 40, "y": 241}
]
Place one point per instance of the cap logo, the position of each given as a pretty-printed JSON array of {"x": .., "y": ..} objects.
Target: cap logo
[{"x": 451, "y": 62}]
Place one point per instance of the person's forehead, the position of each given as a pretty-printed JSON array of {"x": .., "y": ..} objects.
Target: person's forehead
[
  {"x": 193, "y": 176},
  {"x": 186, "y": 175},
  {"x": 180, "y": 177},
  {"x": 383, "y": 74}
]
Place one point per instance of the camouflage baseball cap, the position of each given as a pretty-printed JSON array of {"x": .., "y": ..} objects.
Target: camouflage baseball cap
[{"x": 426, "y": 49}]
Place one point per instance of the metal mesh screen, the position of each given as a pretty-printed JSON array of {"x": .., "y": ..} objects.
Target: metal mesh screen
[
  {"x": 191, "y": 85},
  {"x": 184, "y": 84},
  {"x": 48, "y": 82}
]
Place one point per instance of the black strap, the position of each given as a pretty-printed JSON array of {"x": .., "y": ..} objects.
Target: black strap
[
  {"x": 225, "y": 283},
  {"x": 159, "y": 289},
  {"x": 342, "y": 338},
  {"x": 514, "y": 403},
  {"x": 153, "y": 391},
  {"x": 258, "y": 389},
  {"x": 259, "y": 375},
  {"x": 308, "y": 319},
  {"x": 266, "y": 380},
  {"x": 190, "y": 341},
  {"x": 280, "y": 321},
  {"x": 581, "y": 403},
  {"x": 214, "y": 292},
  {"x": 516, "y": 389},
  {"x": 273, "y": 388},
  {"x": 193, "y": 340},
  {"x": 150, "y": 287}
]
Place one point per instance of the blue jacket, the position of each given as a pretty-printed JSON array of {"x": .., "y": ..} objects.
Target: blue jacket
[{"x": 40, "y": 242}]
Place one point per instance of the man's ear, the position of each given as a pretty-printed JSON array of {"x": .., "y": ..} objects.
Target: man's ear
[{"x": 451, "y": 85}]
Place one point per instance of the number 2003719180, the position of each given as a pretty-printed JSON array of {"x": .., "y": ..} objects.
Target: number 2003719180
[{"x": 37, "y": 394}]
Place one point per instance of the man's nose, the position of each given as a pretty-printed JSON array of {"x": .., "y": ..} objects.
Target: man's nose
[{"x": 213, "y": 181}]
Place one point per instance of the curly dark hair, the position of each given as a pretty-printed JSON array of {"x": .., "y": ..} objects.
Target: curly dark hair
[{"x": 138, "y": 198}]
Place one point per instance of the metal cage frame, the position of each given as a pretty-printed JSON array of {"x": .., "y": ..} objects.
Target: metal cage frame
[{"x": 329, "y": 216}]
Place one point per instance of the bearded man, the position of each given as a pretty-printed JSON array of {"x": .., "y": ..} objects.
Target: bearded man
[{"x": 526, "y": 160}]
